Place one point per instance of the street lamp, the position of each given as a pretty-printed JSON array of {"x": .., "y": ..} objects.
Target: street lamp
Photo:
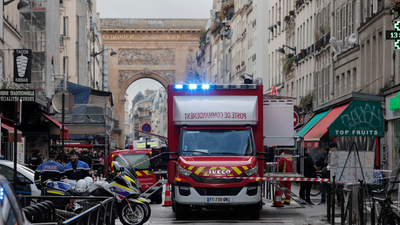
[
  {"x": 282, "y": 51},
  {"x": 94, "y": 55},
  {"x": 21, "y": 4}
]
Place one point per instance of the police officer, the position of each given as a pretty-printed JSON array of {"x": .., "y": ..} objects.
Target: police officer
[
  {"x": 36, "y": 159},
  {"x": 76, "y": 169},
  {"x": 49, "y": 170}
]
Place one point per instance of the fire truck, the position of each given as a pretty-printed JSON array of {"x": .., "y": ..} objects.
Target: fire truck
[{"x": 215, "y": 142}]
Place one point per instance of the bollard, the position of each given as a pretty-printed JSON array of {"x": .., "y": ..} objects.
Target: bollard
[
  {"x": 350, "y": 208},
  {"x": 373, "y": 212},
  {"x": 333, "y": 200},
  {"x": 342, "y": 211},
  {"x": 361, "y": 202},
  {"x": 329, "y": 202}
]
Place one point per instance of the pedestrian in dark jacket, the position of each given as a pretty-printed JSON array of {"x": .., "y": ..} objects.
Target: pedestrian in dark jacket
[
  {"x": 309, "y": 172},
  {"x": 322, "y": 164},
  {"x": 87, "y": 158}
]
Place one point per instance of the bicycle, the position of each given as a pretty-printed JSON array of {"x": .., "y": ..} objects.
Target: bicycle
[
  {"x": 316, "y": 187},
  {"x": 385, "y": 216}
]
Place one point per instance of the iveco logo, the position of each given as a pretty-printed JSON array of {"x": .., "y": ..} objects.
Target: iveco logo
[{"x": 219, "y": 171}]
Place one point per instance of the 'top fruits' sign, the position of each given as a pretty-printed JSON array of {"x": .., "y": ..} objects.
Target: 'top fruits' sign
[{"x": 22, "y": 65}]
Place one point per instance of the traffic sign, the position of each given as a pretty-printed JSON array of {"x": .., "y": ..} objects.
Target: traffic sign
[
  {"x": 296, "y": 119},
  {"x": 394, "y": 35},
  {"x": 146, "y": 127}
]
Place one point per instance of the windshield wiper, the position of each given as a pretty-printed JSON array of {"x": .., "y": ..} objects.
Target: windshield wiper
[
  {"x": 198, "y": 152},
  {"x": 226, "y": 153}
]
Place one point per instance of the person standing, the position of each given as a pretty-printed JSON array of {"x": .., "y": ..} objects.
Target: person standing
[
  {"x": 309, "y": 172},
  {"x": 322, "y": 164},
  {"x": 286, "y": 165},
  {"x": 86, "y": 158},
  {"x": 76, "y": 169},
  {"x": 49, "y": 170},
  {"x": 35, "y": 159}
]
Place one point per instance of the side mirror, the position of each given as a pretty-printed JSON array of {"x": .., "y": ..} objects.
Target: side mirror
[
  {"x": 160, "y": 162},
  {"x": 117, "y": 166}
]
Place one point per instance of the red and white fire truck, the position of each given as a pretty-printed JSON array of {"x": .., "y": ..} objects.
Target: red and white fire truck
[{"x": 215, "y": 141}]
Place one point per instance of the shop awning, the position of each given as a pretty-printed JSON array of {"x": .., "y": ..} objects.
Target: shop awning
[
  {"x": 59, "y": 125},
  {"x": 360, "y": 118},
  {"x": 311, "y": 123},
  {"x": 10, "y": 130},
  {"x": 314, "y": 135}
]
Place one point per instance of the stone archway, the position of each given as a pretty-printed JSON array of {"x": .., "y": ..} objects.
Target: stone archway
[{"x": 126, "y": 78}]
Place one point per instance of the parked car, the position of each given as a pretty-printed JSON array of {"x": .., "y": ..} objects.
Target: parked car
[
  {"x": 26, "y": 182},
  {"x": 10, "y": 207}
]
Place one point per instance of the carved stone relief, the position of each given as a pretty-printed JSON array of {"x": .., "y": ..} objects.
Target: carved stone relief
[
  {"x": 146, "y": 57},
  {"x": 168, "y": 75}
]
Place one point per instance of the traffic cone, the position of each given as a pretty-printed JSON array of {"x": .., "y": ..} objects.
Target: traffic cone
[
  {"x": 277, "y": 199},
  {"x": 167, "y": 197}
]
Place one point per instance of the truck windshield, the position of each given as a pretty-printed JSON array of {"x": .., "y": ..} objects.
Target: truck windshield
[
  {"x": 216, "y": 143},
  {"x": 134, "y": 159}
]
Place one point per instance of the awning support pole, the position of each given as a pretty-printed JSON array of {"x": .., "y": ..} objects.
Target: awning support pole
[
  {"x": 15, "y": 143},
  {"x": 62, "y": 127}
]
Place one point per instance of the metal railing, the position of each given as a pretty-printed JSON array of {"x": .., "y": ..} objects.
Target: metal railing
[{"x": 94, "y": 211}]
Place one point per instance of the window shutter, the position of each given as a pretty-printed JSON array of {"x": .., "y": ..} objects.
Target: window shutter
[
  {"x": 320, "y": 86},
  {"x": 326, "y": 97},
  {"x": 350, "y": 10},
  {"x": 344, "y": 34},
  {"x": 375, "y": 6},
  {"x": 338, "y": 25}
]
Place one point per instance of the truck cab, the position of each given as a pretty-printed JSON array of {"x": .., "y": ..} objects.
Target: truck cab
[
  {"x": 214, "y": 135},
  {"x": 143, "y": 171}
]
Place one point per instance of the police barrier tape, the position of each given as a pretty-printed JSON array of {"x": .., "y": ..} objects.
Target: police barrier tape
[
  {"x": 271, "y": 163},
  {"x": 280, "y": 179},
  {"x": 386, "y": 171}
]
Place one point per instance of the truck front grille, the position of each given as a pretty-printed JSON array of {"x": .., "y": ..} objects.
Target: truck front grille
[
  {"x": 218, "y": 191},
  {"x": 213, "y": 180}
]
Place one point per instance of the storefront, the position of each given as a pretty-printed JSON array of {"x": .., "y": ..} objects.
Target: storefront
[
  {"x": 33, "y": 132},
  {"x": 360, "y": 121},
  {"x": 392, "y": 148}
]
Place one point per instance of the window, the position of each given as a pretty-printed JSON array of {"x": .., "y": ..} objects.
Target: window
[
  {"x": 338, "y": 25},
  {"x": 216, "y": 143},
  {"x": 65, "y": 66},
  {"x": 136, "y": 158},
  {"x": 344, "y": 22},
  {"x": 65, "y": 26},
  {"x": 327, "y": 72},
  {"x": 354, "y": 78},
  {"x": 350, "y": 19}
]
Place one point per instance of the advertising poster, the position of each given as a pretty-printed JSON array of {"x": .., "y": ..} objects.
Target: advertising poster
[
  {"x": 37, "y": 141},
  {"x": 21, "y": 151}
]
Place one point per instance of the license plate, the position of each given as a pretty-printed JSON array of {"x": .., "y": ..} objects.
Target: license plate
[{"x": 218, "y": 200}]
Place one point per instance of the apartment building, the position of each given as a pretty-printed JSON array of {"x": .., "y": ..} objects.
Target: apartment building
[{"x": 80, "y": 37}]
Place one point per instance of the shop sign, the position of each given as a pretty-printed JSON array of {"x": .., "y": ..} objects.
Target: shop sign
[
  {"x": 22, "y": 66},
  {"x": 392, "y": 105},
  {"x": 359, "y": 118},
  {"x": 24, "y": 95}
]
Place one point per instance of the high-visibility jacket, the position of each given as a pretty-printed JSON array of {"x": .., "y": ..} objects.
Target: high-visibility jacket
[{"x": 286, "y": 164}]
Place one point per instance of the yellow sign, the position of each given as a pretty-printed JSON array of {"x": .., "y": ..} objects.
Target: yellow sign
[{"x": 143, "y": 145}]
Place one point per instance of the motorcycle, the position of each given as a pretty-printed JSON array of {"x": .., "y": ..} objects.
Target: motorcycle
[{"x": 122, "y": 184}]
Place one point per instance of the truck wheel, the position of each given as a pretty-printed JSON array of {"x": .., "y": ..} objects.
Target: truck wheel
[
  {"x": 254, "y": 211},
  {"x": 181, "y": 211}
]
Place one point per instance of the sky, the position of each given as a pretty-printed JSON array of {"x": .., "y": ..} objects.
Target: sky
[
  {"x": 193, "y": 9},
  {"x": 153, "y": 9}
]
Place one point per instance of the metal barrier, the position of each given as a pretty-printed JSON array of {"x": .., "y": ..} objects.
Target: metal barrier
[
  {"x": 344, "y": 208},
  {"x": 69, "y": 209}
]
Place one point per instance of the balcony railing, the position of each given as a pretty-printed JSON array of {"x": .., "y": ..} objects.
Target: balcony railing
[{"x": 314, "y": 48}]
